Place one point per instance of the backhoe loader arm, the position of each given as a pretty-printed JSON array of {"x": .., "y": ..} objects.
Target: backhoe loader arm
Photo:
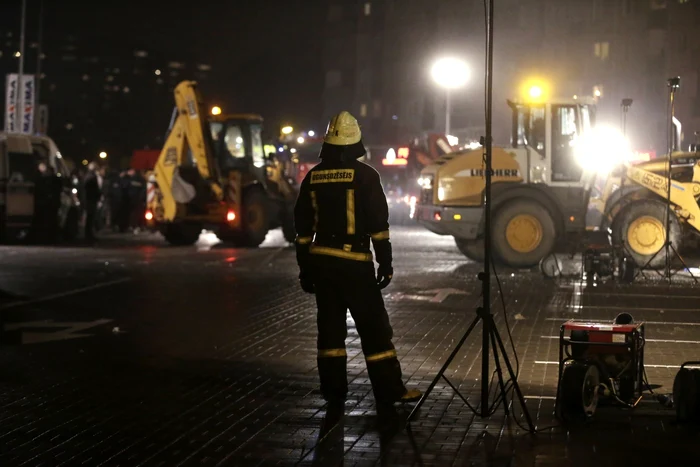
[
  {"x": 682, "y": 194},
  {"x": 189, "y": 135}
]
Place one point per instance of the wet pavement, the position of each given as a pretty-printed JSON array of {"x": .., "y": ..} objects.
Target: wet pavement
[{"x": 134, "y": 353}]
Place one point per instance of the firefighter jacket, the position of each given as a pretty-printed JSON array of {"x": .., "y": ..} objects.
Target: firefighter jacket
[{"x": 341, "y": 206}]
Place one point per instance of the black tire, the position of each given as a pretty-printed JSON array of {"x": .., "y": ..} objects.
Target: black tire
[
  {"x": 641, "y": 228},
  {"x": 533, "y": 248},
  {"x": 182, "y": 234},
  {"x": 472, "y": 249},
  {"x": 578, "y": 396},
  {"x": 255, "y": 218},
  {"x": 685, "y": 395}
]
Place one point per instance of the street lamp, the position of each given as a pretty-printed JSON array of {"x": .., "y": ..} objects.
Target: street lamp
[
  {"x": 449, "y": 73},
  {"x": 103, "y": 155}
]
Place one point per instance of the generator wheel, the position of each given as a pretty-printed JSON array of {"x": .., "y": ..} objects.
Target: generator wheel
[
  {"x": 626, "y": 270},
  {"x": 551, "y": 266},
  {"x": 523, "y": 233},
  {"x": 255, "y": 218},
  {"x": 642, "y": 228},
  {"x": 685, "y": 395},
  {"x": 472, "y": 249},
  {"x": 182, "y": 234},
  {"x": 579, "y": 391}
]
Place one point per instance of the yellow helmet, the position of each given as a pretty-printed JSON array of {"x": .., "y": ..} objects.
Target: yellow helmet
[{"x": 343, "y": 130}]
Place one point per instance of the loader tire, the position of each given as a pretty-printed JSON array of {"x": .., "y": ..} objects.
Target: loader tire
[
  {"x": 641, "y": 228},
  {"x": 523, "y": 233},
  {"x": 182, "y": 234},
  {"x": 255, "y": 218},
  {"x": 472, "y": 249}
]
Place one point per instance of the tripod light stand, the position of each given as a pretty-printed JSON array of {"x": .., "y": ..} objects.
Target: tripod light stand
[
  {"x": 490, "y": 336},
  {"x": 673, "y": 143}
]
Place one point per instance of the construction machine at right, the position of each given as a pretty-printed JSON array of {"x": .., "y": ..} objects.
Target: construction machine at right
[{"x": 544, "y": 195}]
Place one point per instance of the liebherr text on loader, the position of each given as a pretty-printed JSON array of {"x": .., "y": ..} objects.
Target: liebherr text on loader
[{"x": 213, "y": 173}]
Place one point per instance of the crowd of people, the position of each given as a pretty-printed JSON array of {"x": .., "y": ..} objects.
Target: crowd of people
[{"x": 112, "y": 200}]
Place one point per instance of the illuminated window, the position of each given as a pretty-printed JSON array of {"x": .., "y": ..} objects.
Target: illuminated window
[
  {"x": 234, "y": 142},
  {"x": 368, "y": 8},
  {"x": 363, "y": 110},
  {"x": 601, "y": 50},
  {"x": 377, "y": 108},
  {"x": 257, "y": 145}
]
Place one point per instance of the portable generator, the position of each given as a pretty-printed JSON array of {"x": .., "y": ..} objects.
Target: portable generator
[
  {"x": 601, "y": 259},
  {"x": 599, "y": 361}
]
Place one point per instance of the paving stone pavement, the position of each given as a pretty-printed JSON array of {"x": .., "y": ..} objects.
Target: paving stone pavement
[{"x": 197, "y": 394}]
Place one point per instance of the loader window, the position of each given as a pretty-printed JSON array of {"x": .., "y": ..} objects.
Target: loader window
[
  {"x": 235, "y": 144},
  {"x": 565, "y": 125},
  {"x": 535, "y": 130},
  {"x": 257, "y": 145}
]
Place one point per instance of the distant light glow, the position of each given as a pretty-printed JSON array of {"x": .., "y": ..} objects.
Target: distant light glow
[
  {"x": 230, "y": 216},
  {"x": 148, "y": 215},
  {"x": 157, "y": 72},
  {"x": 287, "y": 130},
  {"x": 300, "y": 140},
  {"x": 103, "y": 155},
  {"x": 312, "y": 133},
  {"x": 293, "y": 150},
  {"x": 280, "y": 149},
  {"x": 216, "y": 110},
  {"x": 453, "y": 140},
  {"x": 450, "y": 73}
]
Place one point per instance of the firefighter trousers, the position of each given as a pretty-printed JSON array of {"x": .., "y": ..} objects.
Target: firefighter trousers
[{"x": 343, "y": 285}]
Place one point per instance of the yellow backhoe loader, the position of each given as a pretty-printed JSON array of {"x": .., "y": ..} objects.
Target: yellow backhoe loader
[
  {"x": 543, "y": 185},
  {"x": 213, "y": 173}
]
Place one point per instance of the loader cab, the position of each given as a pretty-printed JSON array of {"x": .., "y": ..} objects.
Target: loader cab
[
  {"x": 547, "y": 136},
  {"x": 238, "y": 142}
]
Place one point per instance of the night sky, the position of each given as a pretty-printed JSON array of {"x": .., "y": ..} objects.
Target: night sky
[{"x": 265, "y": 54}]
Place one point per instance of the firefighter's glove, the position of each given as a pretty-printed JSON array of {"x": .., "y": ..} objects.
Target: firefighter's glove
[
  {"x": 306, "y": 282},
  {"x": 384, "y": 275}
]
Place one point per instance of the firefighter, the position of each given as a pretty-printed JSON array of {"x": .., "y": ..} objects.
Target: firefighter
[{"x": 341, "y": 206}]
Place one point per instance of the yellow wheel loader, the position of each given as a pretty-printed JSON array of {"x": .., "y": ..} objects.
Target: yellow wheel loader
[
  {"x": 213, "y": 173},
  {"x": 543, "y": 189}
]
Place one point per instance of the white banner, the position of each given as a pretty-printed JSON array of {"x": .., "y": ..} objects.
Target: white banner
[
  {"x": 11, "y": 103},
  {"x": 28, "y": 111}
]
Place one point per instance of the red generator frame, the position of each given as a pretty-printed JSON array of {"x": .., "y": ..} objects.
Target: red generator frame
[{"x": 599, "y": 359}]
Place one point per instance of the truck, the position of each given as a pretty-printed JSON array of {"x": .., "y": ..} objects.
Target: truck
[
  {"x": 543, "y": 190},
  {"x": 213, "y": 173},
  {"x": 21, "y": 155}
]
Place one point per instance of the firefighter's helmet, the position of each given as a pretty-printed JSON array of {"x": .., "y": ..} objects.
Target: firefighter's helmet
[{"x": 343, "y": 130}]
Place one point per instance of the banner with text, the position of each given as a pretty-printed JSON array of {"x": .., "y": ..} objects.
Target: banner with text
[{"x": 12, "y": 103}]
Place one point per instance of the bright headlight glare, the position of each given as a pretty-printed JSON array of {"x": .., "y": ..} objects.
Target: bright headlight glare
[{"x": 602, "y": 150}]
